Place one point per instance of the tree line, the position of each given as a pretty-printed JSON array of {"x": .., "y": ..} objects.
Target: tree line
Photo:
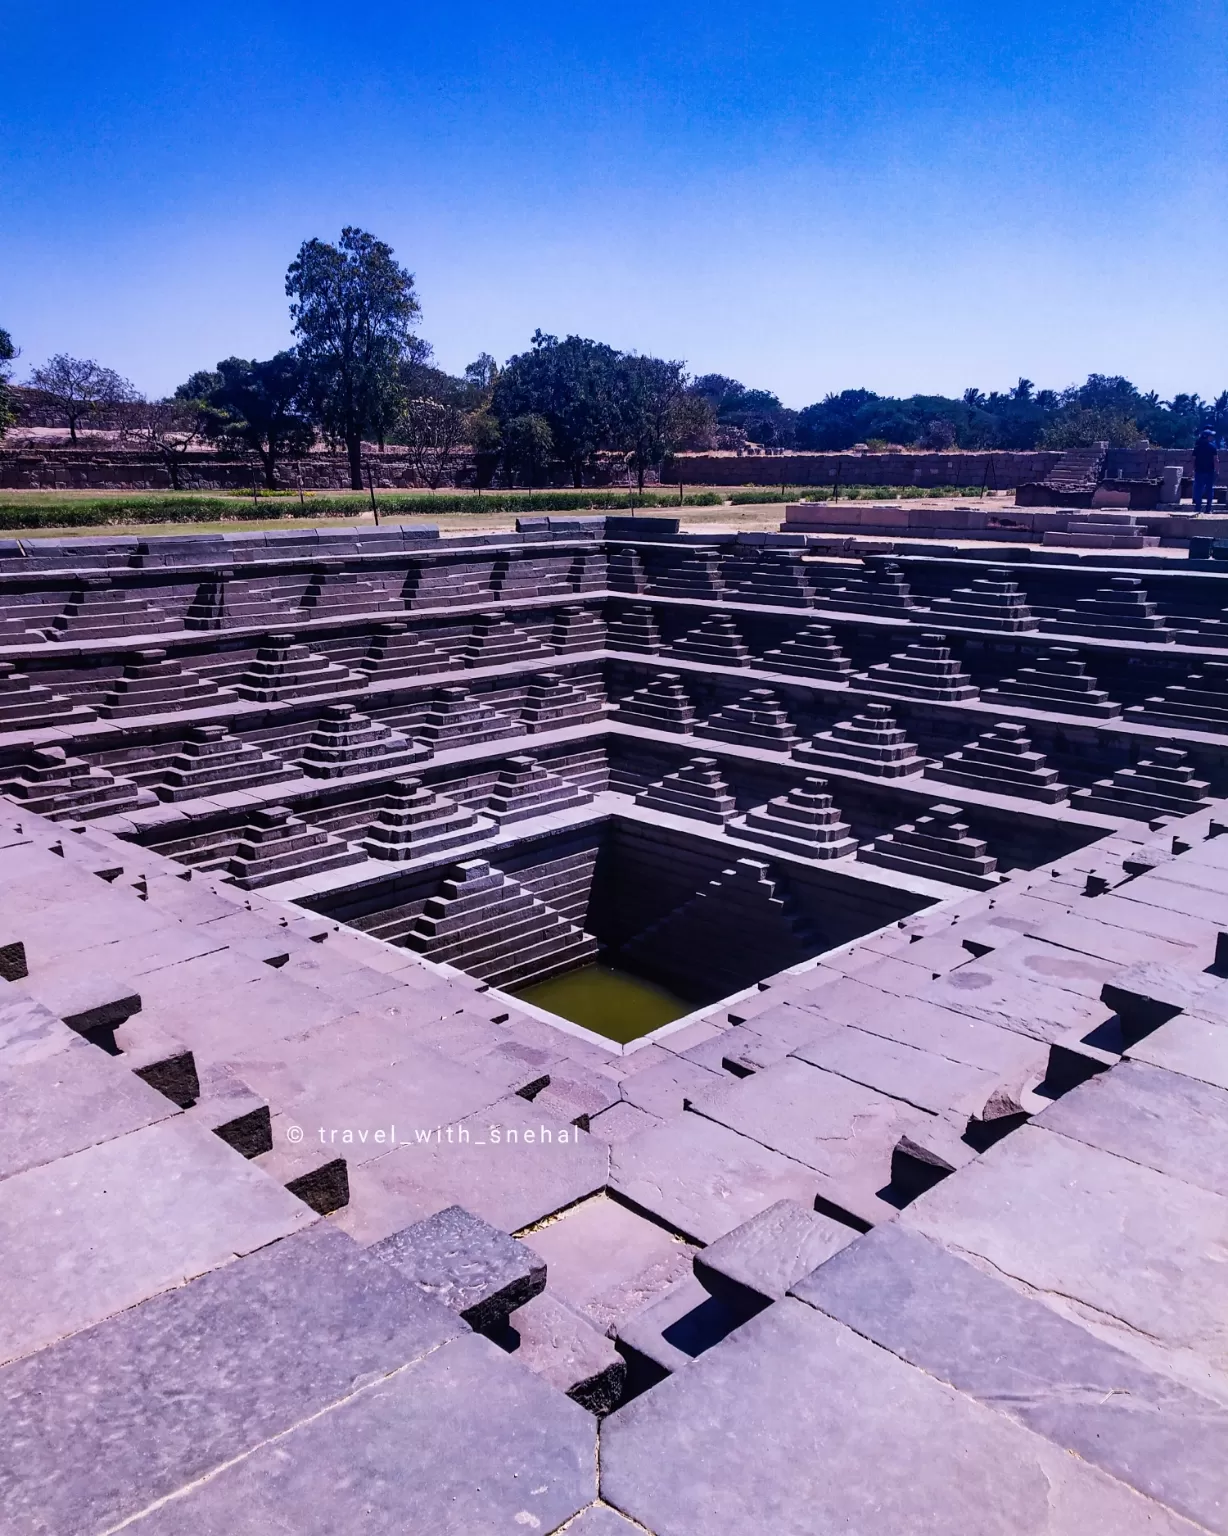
[{"x": 358, "y": 373}]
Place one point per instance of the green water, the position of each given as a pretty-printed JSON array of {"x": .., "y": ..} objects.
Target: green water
[{"x": 610, "y": 1002}]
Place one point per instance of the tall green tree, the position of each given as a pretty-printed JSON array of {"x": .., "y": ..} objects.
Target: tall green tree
[
  {"x": 259, "y": 407},
  {"x": 80, "y": 388},
  {"x": 649, "y": 392},
  {"x": 353, "y": 309},
  {"x": 7, "y": 353},
  {"x": 573, "y": 386}
]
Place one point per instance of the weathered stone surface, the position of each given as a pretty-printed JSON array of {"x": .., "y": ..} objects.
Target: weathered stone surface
[
  {"x": 728, "y": 1446},
  {"x": 704, "y": 1179},
  {"x": 505, "y": 1453},
  {"x": 136, "y": 1215},
  {"x": 1160, "y": 1119},
  {"x": 766, "y": 1256},
  {"x": 556, "y": 1344},
  {"x": 670, "y": 1332},
  {"x": 466, "y": 1264},
  {"x": 123, "y": 1414},
  {"x": 607, "y": 1262},
  {"x": 1191, "y": 1046},
  {"x": 1014, "y": 1354},
  {"x": 509, "y": 1183},
  {"x": 1138, "y": 1265},
  {"x": 71, "y": 1100}
]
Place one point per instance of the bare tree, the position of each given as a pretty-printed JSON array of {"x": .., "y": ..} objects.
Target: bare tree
[
  {"x": 80, "y": 388},
  {"x": 169, "y": 428},
  {"x": 434, "y": 422}
]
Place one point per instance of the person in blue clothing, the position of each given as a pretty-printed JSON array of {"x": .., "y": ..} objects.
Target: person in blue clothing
[{"x": 1206, "y": 461}]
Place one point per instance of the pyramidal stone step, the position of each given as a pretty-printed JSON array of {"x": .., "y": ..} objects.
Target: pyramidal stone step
[
  {"x": 576, "y": 629},
  {"x": 346, "y": 742},
  {"x": 26, "y": 705},
  {"x": 812, "y": 652},
  {"x": 662, "y": 705},
  {"x": 456, "y": 719},
  {"x": 757, "y": 720},
  {"x": 779, "y": 578},
  {"x": 1057, "y": 680},
  {"x": 284, "y": 669},
  {"x": 803, "y": 822},
  {"x": 553, "y": 701},
  {"x": 870, "y": 742},
  {"x": 937, "y": 846},
  {"x": 52, "y": 784},
  {"x": 99, "y": 610},
  {"x": 487, "y": 922},
  {"x": 634, "y": 629},
  {"x": 25, "y": 622},
  {"x": 154, "y": 683},
  {"x": 880, "y": 589},
  {"x": 743, "y": 924},
  {"x": 1119, "y": 611},
  {"x": 524, "y": 788},
  {"x": 625, "y": 571},
  {"x": 395, "y": 650},
  {"x": 223, "y": 602},
  {"x": 213, "y": 762},
  {"x": 444, "y": 583},
  {"x": 716, "y": 643},
  {"x": 276, "y": 846},
  {"x": 1001, "y": 761},
  {"x": 993, "y": 601},
  {"x": 496, "y": 640},
  {"x": 697, "y": 574},
  {"x": 697, "y": 789},
  {"x": 524, "y": 576},
  {"x": 923, "y": 670},
  {"x": 587, "y": 572},
  {"x": 335, "y": 592},
  {"x": 415, "y": 822},
  {"x": 1162, "y": 785},
  {"x": 1201, "y": 701}
]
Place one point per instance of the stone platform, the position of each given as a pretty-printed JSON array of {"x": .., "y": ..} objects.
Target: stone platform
[{"x": 912, "y": 1224}]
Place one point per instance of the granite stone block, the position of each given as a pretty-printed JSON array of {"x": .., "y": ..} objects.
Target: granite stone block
[
  {"x": 762, "y": 1259},
  {"x": 466, "y": 1264}
]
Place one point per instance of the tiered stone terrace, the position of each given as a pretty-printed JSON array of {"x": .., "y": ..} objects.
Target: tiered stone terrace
[{"x": 914, "y": 1223}]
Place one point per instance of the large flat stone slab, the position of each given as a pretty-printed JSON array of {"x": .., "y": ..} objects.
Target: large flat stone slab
[
  {"x": 512, "y": 1168},
  {"x": 921, "y": 1078},
  {"x": 1161, "y": 1119},
  {"x": 762, "y": 1259},
  {"x": 1008, "y": 1350},
  {"x": 101, "y": 1425},
  {"x": 795, "y": 1425},
  {"x": 1132, "y": 1254},
  {"x": 463, "y": 1441},
  {"x": 703, "y": 1179},
  {"x": 107, "y": 1227},
  {"x": 840, "y": 1128},
  {"x": 70, "y": 1101},
  {"x": 607, "y": 1262},
  {"x": 1194, "y": 1047}
]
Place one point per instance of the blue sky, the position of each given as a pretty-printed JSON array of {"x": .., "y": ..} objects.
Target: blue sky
[{"x": 889, "y": 194}]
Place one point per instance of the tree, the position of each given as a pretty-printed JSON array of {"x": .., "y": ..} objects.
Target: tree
[
  {"x": 353, "y": 308},
  {"x": 649, "y": 391},
  {"x": 170, "y": 428},
  {"x": 572, "y": 386},
  {"x": 433, "y": 422},
  {"x": 258, "y": 406},
  {"x": 79, "y": 387},
  {"x": 7, "y": 353},
  {"x": 528, "y": 446}
]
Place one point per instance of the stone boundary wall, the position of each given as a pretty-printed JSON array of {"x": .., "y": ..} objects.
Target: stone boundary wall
[{"x": 999, "y": 471}]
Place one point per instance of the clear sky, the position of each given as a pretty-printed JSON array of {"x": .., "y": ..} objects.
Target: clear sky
[{"x": 888, "y": 194}]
